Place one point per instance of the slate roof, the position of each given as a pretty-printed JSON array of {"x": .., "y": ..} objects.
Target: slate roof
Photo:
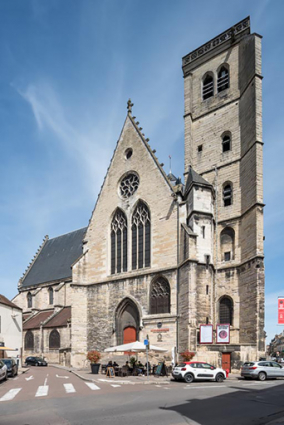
[
  {"x": 5, "y": 301},
  {"x": 194, "y": 178},
  {"x": 35, "y": 321},
  {"x": 60, "y": 319},
  {"x": 56, "y": 258}
]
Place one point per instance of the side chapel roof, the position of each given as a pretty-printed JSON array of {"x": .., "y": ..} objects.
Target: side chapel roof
[
  {"x": 55, "y": 259},
  {"x": 193, "y": 178}
]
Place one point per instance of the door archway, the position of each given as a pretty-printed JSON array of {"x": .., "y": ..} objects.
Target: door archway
[{"x": 127, "y": 320}]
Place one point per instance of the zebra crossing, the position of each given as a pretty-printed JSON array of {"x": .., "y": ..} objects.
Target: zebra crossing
[{"x": 43, "y": 390}]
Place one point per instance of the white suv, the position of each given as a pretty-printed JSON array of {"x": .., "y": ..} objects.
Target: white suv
[{"x": 190, "y": 371}]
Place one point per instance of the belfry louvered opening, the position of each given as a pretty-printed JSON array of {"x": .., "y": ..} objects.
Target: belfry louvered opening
[
  {"x": 141, "y": 237},
  {"x": 226, "y": 310},
  {"x": 119, "y": 242}
]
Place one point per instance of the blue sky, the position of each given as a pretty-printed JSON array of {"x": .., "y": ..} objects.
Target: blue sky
[{"x": 67, "y": 70}]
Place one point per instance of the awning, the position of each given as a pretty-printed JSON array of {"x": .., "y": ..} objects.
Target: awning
[
  {"x": 7, "y": 349},
  {"x": 137, "y": 347}
]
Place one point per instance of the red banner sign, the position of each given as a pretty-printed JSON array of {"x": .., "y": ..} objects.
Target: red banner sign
[{"x": 281, "y": 311}]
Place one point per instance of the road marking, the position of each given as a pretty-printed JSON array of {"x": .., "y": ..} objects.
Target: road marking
[
  {"x": 92, "y": 386},
  {"x": 45, "y": 382},
  {"x": 158, "y": 386},
  {"x": 64, "y": 377},
  {"x": 29, "y": 378},
  {"x": 205, "y": 386},
  {"x": 116, "y": 386},
  {"x": 69, "y": 388},
  {"x": 42, "y": 391},
  {"x": 10, "y": 394},
  {"x": 15, "y": 379}
]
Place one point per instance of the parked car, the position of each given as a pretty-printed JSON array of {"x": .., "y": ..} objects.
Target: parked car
[
  {"x": 12, "y": 367},
  {"x": 190, "y": 371},
  {"x": 262, "y": 370},
  {"x": 35, "y": 361},
  {"x": 3, "y": 371}
]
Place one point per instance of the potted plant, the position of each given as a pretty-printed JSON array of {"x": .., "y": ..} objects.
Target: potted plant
[
  {"x": 94, "y": 357},
  {"x": 187, "y": 355}
]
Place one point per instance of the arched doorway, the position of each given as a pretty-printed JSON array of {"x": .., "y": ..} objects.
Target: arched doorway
[{"x": 127, "y": 322}]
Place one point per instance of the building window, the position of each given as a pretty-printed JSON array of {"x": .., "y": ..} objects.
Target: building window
[
  {"x": 160, "y": 297},
  {"x": 227, "y": 240},
  {"x": 227, "y": 194},
  {"x": 200, "y": 148},
  {"x": 226, "y": 310},
  {"x": 203, "y": 231},
  {"x": 208, "y": 87},
  {"x": 30, "y": 300},
  {"x": 128, "y": 153},
  {"x": 50, "y": 293},
  {"x": 226, "y": 143},
  {"x": 227, "y": 256},
  {"x": 128, "y": 185},
  {"x": 119, "y": 242},
  {"x": 223, "y": 79},
  {"x": 54, "y": 340},
  {"x": 29, "y": 341},
  {"x": 141, "y": 237}
]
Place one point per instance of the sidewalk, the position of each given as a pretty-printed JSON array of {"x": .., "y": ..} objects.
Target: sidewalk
[{"x": 86, "y": 375}]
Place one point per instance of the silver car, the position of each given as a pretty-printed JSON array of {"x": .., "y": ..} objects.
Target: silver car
[
  {"x": 262, "y": 370},
  {"x": 3, "y": 371}
]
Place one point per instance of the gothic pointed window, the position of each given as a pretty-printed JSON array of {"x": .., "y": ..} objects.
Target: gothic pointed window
[
  {"x": 223, "y": 79},
  {"x": 50, "y": 293},
  {"x": 226, "y": 310},
  {"x": 54, "y": 340},
  {"x": 119, "y": 242},
  {"x": 227, "y": 194},
  {"x": 160, "y": 297},
  {"x": 207, "y": 87},
  {"x": 226, "y": 143},
  {"x": 29, "y": 341},
  {"x": 30, "y": 300},
  {"x": 141, "y": 237}
]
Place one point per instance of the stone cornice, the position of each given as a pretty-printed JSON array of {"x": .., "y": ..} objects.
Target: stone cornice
[{"x": 233, "y": 33}]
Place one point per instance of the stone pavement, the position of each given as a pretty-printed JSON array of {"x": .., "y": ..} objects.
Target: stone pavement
[{"x": 86, "y": 375}]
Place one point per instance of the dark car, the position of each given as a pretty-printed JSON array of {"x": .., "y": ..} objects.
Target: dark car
[
  {"x": 35, "y": 361},
  {"x": 12, "y": 367}
]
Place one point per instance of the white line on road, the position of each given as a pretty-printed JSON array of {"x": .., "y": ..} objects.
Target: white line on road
[
  {"x": 29, "y": 378},
  {"x": 69, "y": 388},
  {"x": 205, "y": 386},
  {"x": 45, "y": 382},
  {"x": 116, "y": 386},
  {"x": 92, "y": 386},
  {"x": 64, "y": 377},
  {"x": 42, "y": 391},
  {"x": 10, "y": 394}
]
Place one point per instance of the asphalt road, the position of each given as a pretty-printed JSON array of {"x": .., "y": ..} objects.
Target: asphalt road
[{"x": 49, "y": 396}]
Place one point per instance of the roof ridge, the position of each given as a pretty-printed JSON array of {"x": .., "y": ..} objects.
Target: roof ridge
[{"x": 68, "y": 233}]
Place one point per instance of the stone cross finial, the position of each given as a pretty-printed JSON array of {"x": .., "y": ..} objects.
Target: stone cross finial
[{"x": 129, "y": 106}]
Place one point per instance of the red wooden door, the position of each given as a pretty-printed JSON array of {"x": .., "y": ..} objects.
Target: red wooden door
[
  {"x": 129, "y": 335},
  {"x": 226, "y": 361}
]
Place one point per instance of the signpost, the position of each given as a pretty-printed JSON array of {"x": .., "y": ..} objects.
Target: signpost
[
  {"x": 280, "y": 310},
  {"x": 146, "y": 343}
]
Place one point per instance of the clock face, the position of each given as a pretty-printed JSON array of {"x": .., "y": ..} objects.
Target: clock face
[{"x": 223, "y": 334}]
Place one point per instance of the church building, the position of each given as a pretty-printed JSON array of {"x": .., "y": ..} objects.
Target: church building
[{"x": 160, "y": 258}]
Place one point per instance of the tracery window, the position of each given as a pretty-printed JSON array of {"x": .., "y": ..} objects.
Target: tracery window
[
  {"x": 119, "y": 242},
  {"x": 50, "y": 293},
  {"x": 30, "y": 300},
  {"x": 29, "y": 340},
  {"x": 208, "y": 87},
  {"x": 54, "y": 339},
  {"x": 128, "y": 185},
  {"x": 227, "y": 194},
  {"x": 226, "y": 310},
  {"x": 223, "y": 79},
  {"x": 160, "y": 297},
  {"x": 141, "y": 237}
]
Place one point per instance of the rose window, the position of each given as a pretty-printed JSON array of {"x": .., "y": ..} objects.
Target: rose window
[{"x": 129, "y": 184}]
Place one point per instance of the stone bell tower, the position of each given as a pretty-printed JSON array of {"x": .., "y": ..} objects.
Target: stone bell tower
[{"x": 223, "y": 143}]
